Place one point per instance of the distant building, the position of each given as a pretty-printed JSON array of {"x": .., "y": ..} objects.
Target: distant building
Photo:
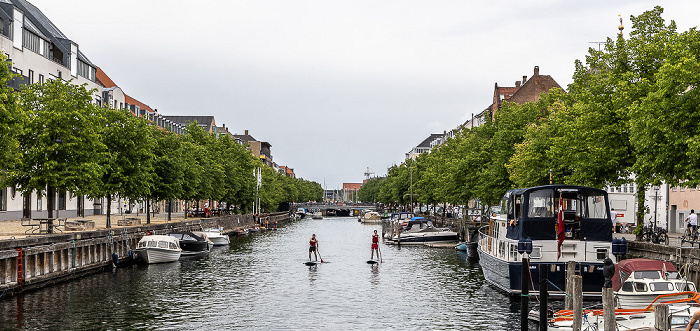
[
  {"x": 205, "y": 122},
  {"x": 350, "y": 191},
  {"x": 260, "y": 149},
  {"x": 287, "y": 171},
  {"x": 425, "y": 146}
]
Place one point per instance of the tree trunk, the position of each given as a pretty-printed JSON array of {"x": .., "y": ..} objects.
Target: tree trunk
[
  {"x": 51, "y": 200},
  {"x": 641, "y": 207},
  {"x": 170, "y": 210},
  {"x": 109, "y": 211},
  {"x": 148, "y": 211},
  {"x": 187, "y": 204}
]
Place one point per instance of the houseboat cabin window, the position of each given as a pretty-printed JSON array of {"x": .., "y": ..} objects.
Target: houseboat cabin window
[
  {"x": 647, "y": 274},
  {"x": 541, "y": 204},
  {"x": 685, "y": 287},
  {"x": 661, "y": 286},
  {"x": 640, "y": 287},
  {"x": 601, "y": 253},
  {"x": 595, "y": 207},
  {"x": 536, "y": 253},
  {"x": 627, "y": 287}
]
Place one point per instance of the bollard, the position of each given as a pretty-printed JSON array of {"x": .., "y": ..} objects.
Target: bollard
[
  {"x": 543, "y": 296},
  {"x": 577, "y": 288}
]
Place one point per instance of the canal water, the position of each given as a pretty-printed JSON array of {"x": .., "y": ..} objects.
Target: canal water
[{"x": 260, "y": 282}]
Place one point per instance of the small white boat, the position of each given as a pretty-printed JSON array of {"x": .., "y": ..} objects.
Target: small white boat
[
  {"x": 637, "y": 282},
  {"x": 371, "y": 217},
  {"x": 217, "y": 237},
  {"x": 317, "y": 215},
  {"x": 158, "y": 249}
]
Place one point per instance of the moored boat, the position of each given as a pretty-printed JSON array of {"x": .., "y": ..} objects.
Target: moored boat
[
  {"x": 420, "y": 230},
  {"x": 158, "y": 249},
  {"x": 217, "y": 236},
  {"x": 637, "y": 282},
  {"x": 192, "y": 243},
  {"x": 537, "y": 213},
  {"x": 371, "y": 217}
]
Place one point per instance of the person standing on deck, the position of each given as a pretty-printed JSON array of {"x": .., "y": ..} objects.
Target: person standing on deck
[
  {"x": 375, "y": 244},
  {"x": 313, "y": 245}
]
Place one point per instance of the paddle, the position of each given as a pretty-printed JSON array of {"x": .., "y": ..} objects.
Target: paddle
[
  {"x": 379, "y": 252},
  {"x": 319, "y": 254}
]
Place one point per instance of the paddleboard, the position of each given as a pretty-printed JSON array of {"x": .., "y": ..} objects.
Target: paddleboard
[
  {"x": 372, "y": 261},
  {"x": 310, "y": 263}
]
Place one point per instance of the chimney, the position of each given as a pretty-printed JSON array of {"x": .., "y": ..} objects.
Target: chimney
[
  {"x": 246, "y": 132},
  {"x": 537, "y": 70},
  {"x": 524, "y": 79},
  {"x": 517, "y": 83}
]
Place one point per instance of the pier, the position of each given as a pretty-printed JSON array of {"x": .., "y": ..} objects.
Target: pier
[{"x": 37, "y": 260}]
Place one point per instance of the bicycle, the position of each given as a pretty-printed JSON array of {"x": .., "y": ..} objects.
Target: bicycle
[
  {"x": 655, "y": 234},
  {"x": 689, "y": 235}
]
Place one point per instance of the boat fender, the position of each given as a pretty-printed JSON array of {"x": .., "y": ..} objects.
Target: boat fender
[
  {"x": 115, "y": 258},
  {"x": 131, "y": 254}
]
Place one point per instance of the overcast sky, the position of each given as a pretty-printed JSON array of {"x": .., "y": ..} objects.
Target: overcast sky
[{"x": 338, "y": 86}]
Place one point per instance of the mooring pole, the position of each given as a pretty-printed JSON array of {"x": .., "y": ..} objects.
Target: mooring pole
[
  {"x": 525, "y": 294},
  {"x": 543, "y": 296}
]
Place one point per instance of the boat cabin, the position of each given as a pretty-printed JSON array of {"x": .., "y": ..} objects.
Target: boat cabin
[
  {"x": 159, "y": 241},
  {"x": 648, "y": 276},
  {"x": 533, "y": 213}
]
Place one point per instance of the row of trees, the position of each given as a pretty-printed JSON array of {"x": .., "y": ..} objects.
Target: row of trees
[
  {"x": 55, "y": 139},
  {"x": 633, "y": 108}
]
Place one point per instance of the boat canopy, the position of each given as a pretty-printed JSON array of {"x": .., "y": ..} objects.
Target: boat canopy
[
  {"x": 626, "y": 267},
  {"x": 533, "y": 212}
]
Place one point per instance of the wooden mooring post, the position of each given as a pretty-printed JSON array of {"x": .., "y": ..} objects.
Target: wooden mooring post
[
  {"x": 577, "y": 289},
  {"x": 609, "y": 310},
  {"x": 661, "y": 320},
  {"x": 543, "y": 297},
  {"x": 570, "y": 272}
]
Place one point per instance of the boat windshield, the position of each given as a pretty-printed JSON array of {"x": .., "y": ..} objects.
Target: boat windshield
[
  {"x": 152, "y": 243},
  {"x": 649, "y": 274},
  {"x": 163, "y": 244},
  {"x": 661, "y": 286}
]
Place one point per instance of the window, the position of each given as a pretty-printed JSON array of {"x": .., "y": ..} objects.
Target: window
[
  {"x": 163, "y": 244},
  {"x": 41, "y": 79},
  {"x": 685, "y": 287},
  {"x": 30, "y": 75},
  {"x": 31, "y": 41},
  {"x": 661, "y": 286},
  {"x": 627, "y": 287},
  {"x": 640, "y": 287},
  {"x": 39, "y": 201},
  {"x": 652, "y": 274},
  {"x": 594, "y": 207},
  {"x": 3, "y": 199},
  {"x": 541, "y": 203},
  {"x": 85, "y": 70},
  {"x": 62, "y": 201},
  {"x": 601, "y": 254}
]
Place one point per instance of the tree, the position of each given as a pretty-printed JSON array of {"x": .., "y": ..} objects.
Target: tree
[
  {"x": 11, "y": 120},
  {"x": 168, "y": 167},
  {"x": 60, "y": 147}
]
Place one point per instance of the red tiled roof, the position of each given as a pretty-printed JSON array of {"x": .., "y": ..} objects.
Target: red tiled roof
[
  {"x": 103, "y": 79},
  {"x": 128, "y": 99}
]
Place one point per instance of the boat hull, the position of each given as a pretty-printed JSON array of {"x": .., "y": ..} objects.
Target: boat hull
[
  {"x": 220, "y": 240},
  {"x": 152, "y": 255},
  {"x": 507, "y": 276}
]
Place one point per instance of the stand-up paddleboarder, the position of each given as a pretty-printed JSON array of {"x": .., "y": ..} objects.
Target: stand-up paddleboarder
[
  {"x": 375, "y": 244},
  {"x": 313, "y": 245}
]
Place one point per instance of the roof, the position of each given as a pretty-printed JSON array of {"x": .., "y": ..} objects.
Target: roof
[
  {"x": 184, "y": 120},
  {"x": 427, "y": 141},
  {"x": 246, "y": 138},
  {"x": 536, "y": 85},
  {"x": 626, "y": 267},
  {"x": 40, "y": 18},
  {"x": 128, "y": 99},
  {"x": 103, "y": 79}
]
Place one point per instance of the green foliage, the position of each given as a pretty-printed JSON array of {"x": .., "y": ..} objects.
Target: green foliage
[{"x": 12, "y": 120}]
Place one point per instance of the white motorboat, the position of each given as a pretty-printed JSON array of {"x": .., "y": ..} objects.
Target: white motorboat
[
  {"x": 158, "y": 249},
  {"x": 371, "y": 217},
  {"x": 632, "y": 319},
  {"x": 420, "y": 230},
  {"x": 301, "y": 212},
  {"x": 217, "y": 236},
  {"x": 637, "y": 282}
]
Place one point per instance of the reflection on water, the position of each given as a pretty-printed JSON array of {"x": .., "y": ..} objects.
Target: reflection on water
[{"x": 260, "y": 281}]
